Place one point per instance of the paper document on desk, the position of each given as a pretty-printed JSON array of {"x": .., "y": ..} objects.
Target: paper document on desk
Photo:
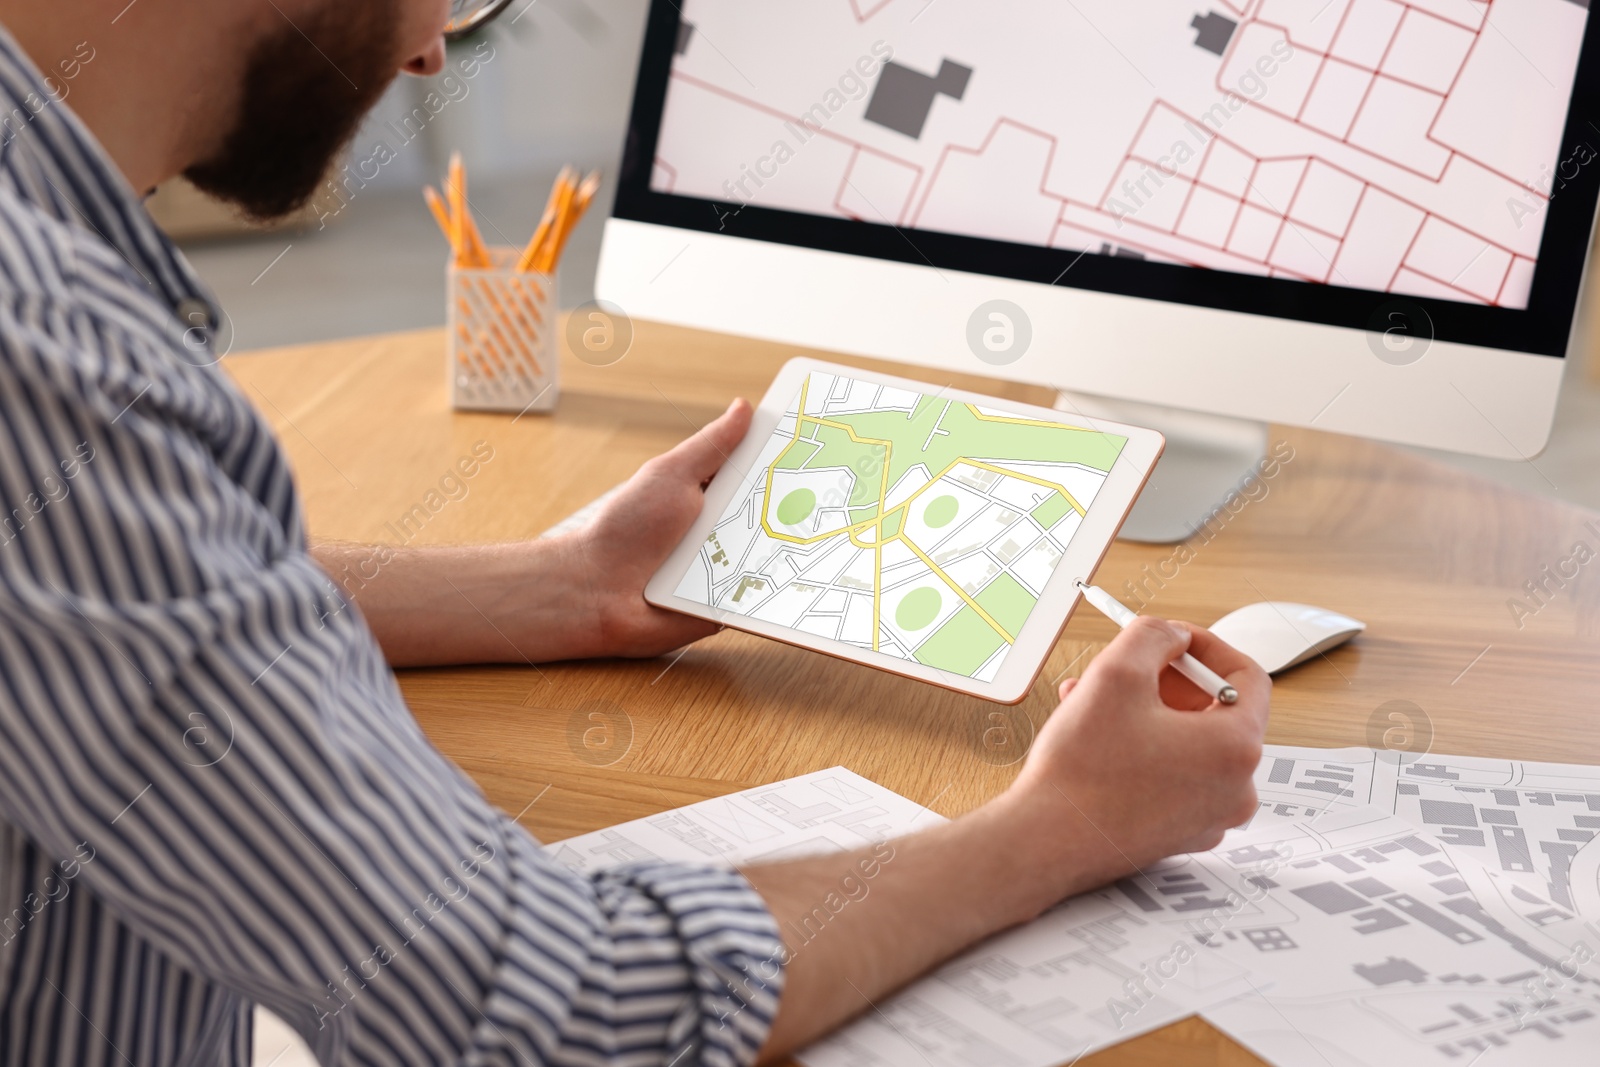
[
  {"x": 1382, "y": 946},
  {"x": 1533, "y": 825},
  {"x": 825, "y": 811},
  {"x": 1294, "y": 784},
  {"x": 1358, "y": 921},
  {"x": 1089, "y": 974}
]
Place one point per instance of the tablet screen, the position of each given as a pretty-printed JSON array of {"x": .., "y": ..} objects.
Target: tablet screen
[{"x": 916, "y": 526}]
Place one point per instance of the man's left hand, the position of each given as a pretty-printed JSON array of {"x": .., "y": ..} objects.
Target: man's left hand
[{"x": 626, "y": 543}]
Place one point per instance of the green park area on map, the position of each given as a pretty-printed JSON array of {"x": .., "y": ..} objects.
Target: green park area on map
[{"x": 880, "y": 448}]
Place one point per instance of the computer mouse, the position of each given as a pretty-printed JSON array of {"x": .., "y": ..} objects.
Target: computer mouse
[{"x": 1278, "y": 634}]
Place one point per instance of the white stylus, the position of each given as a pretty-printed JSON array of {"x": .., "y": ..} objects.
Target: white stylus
[{"x": 1186, "y": 665}]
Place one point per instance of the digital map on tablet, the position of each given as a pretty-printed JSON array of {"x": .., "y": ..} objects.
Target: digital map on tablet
[{"x": 910, "y": 524}]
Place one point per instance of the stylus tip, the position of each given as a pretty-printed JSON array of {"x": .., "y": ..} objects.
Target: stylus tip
[{"x": 1229, "y": 695}]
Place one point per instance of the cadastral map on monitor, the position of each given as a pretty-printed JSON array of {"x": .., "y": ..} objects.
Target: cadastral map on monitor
[{"x": 1394, "y": 147}]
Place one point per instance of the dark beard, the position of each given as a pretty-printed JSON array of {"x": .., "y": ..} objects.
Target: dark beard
[{"x": 301, "y": 103}]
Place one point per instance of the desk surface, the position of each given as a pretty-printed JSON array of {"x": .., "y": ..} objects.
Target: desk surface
[{"x": 1431, "y": 558}]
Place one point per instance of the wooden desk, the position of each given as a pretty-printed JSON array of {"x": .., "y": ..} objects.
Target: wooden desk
[{"x": 1431, "y": 558}]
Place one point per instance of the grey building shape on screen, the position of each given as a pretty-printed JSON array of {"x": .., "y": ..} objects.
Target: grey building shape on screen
[
  {"x": 903, "y": 98},
  {"x": 1213, "y": 32}
]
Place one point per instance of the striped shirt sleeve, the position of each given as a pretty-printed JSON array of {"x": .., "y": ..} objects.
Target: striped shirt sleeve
[{"x": 186, "y": 696}]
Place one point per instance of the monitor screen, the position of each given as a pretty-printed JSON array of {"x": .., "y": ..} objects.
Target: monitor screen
[{"x": 1314, "y": 159}]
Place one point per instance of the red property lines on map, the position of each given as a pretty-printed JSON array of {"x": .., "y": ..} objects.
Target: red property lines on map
[
  {"x": 983, "y": 147},
  {"x": 1121, "y": 238},
  {"x": 1499, "y": 296},
  {"x": 1308, "y": 158},
  {"x": 1113, "y": 234},
  {"x": 1118, "y": 234},
  {"x": 801, "y": 123},
  {"x": 1138, "y": 133},
  {"x": 1440, "y": 281},
  {"x": 672, "y": 174},
  {"x": 1284, "y": 221},
  {"x": 862, "y": 16},
  {"x": 1285, "y": 213},
  {"x": 844, "y": 183},
  {"x": 1229, "y": 204},
  {"x": 1375, "y": 72}
]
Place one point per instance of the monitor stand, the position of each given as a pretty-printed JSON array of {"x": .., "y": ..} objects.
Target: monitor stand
[{"x": 1207, "y": 458}]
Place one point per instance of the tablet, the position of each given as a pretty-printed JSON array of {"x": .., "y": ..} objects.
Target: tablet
[{"x": 919, "y": 529}]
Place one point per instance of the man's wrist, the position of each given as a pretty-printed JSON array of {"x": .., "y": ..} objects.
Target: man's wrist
[
  {"x": 557, "y": 596},
  {"x": 1050, "y": 849},
  {"x": 594, "y": 617}
]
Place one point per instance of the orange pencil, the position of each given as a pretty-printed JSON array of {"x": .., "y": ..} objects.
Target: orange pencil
[
  {"x": 546, "y": 261},
  {"x": 590, "y": 186},
  {"x": 582, "y": 196},
  {"x": 476, "y": 249},
  {"x": 441, "y": 215},
  {"x": 469, "y": 244},
  {"x": 564, "y": 196},
  {"x": 530, "y": 255},
  {"x": 452, "y": 192}
]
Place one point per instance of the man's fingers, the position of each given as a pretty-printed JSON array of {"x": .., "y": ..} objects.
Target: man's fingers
[
  {"x": 1245, "y": 674},
  {"x": 702, "y": 455},
  {"x": 1216, "y": 653},
  {"x": 1142, "y": 651}
]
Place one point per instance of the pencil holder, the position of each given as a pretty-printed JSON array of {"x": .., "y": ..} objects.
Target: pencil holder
[{"x": 504, "y": 349}]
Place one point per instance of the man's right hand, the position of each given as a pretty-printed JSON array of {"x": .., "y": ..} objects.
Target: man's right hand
[
  {"x": 1135, "y": 765},
  {"x": 1138, "y": 763}
]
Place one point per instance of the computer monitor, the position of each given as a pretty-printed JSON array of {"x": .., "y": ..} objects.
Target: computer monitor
[{"x": 1356, "y": 215}]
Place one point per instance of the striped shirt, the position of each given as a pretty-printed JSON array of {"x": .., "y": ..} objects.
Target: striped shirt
[{"x": 212, "y": 795}]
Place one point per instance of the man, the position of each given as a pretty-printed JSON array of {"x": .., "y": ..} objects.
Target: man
[{"x": 327, "y": 863}]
